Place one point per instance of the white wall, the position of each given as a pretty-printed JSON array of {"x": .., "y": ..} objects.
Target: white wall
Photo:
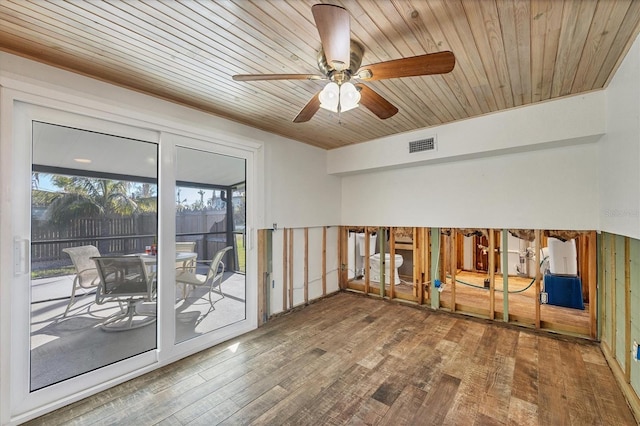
[
  {"x": 567, "y": 121},
  {"x": 298, "y": 191},
  {"x": 619, "y": 151},
  {"x": 554, "y": 188}
]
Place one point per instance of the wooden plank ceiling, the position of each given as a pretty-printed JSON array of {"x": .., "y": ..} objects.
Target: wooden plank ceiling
[{"x": 508, "y": 53}]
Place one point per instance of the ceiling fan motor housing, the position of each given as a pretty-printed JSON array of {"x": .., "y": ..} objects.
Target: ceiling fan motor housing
[{"x": 357, "y": 52}]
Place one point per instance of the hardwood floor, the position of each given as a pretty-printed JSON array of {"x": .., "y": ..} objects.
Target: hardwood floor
[{"x": 349, "y": 359}]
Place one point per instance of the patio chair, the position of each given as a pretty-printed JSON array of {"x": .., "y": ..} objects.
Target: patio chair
[
  {"x": 86, "y": 273},
  {"x": 125, "y": 279},
  {"x": 186, "y": 277}
]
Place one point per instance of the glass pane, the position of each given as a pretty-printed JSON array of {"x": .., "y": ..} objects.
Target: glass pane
[
  {"x": 93, "y": 196},
  {"x": 210, "y": 255}
]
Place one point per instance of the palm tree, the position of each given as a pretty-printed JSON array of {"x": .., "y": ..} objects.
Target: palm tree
[{"x": 83, "y": 197}]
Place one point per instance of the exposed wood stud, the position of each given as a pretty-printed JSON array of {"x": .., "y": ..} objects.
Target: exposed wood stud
[
  {"x": 392, "y": 262},
  {"x": 291, "y": 264},
  {"x": 324, "y": 261},
  {"x": 453, "y": 266},
  {"x": 367, "y": 250},
  {"x": 627, "y": 310},
  {"x": 263, "y": 286},
  {"x": 285, "y": 268},
  {"x": 538, "y": 277},
  {"x": 492, "y": 274},
  {"x": 612, "y": 292},
  {"x": 306, "y": 265},
  {"x": 593, "y": 282},
  {"x": 505, "y": 275}
]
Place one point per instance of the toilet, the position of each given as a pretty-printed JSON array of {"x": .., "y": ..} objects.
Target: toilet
[{"x": 374, "y": 268}]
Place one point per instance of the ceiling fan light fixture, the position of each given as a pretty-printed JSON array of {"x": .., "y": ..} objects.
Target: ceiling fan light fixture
[
  {"x": 329, "y": 97},
  {"x": 349, "y": 97}
]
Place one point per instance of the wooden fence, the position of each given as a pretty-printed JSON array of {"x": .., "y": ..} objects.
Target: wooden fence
[{"x": 121, "y": 235}]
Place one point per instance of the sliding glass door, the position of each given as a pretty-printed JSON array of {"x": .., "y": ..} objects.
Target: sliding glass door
[
  {"x": 92, "y": 195},
  {"x": 210, "y": 223}
]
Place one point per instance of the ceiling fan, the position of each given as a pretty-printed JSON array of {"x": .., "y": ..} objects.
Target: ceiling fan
[{"x": 339, "y": 61}]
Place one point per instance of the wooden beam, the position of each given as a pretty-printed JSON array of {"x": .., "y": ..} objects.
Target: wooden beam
[
  {"x": 492, "y": 274},
  {"x": 367, "y": 250},
  {"x": 383, "y": 260},
  {"x": 538, "y": 237},
  {"x": 392, "y": 262},
  {"x": 453, "y": 266},
  {"x": 593, "y": 283},
  {"x": 291, "y": 283},
  {"x": 324, "y": 260},
  {"x": 419, "y": 269},
  {"x": 434, "y": 234},
  {"x": 505, "y": 274},
  {"x": 285, "y": 268},
  {"x": 262, "y": 275},
  {"x": 426, "y": 267},
  {"x": 612, "y": 292},
  {"x": 306, "y": 266},
  {"x": 627, "y": 310},
  {"x": 343, "y": 257},
  {"x": 416, "y": 260}
]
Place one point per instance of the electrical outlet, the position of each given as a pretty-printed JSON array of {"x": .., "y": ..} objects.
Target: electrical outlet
[
  {"x": 544, "y": 298},
  {"x": 634, "y": 351}
]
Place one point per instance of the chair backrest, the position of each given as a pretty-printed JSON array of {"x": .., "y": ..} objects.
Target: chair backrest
[
  {"x": 122, "y": 277},
  {"x": 185, "y": 246},
  {"x": 216, "y": 262},
  {"x": 85, "y": 267}
]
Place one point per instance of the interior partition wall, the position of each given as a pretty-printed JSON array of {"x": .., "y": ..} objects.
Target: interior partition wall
[{"x": 138, "y": 162}]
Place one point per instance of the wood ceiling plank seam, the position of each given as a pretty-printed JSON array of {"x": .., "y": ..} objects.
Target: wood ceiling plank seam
[
  {"x": 607, "y": 21},
  {"x": 495, "y": 37},
  {"x": 420, "y": 46},
  {"x": 457, "y": 12},
  {"x": 552, "y": 37},
  {"x": 585, "y": 14},
  {"x": 507, "y": 20},
  {"x": 464, "y": 70},
  {"x": 456, "y": 81},
  {"x": 626, "y": 36},
  {"x": 567, "y": 30},
  {"x": 252, "y": 36},
  {"x": 538, "y": 28},
  {"x": 523, "y": 30},
  {"x": 65, "y": 29},
  {"x": 475, "y": 14}
]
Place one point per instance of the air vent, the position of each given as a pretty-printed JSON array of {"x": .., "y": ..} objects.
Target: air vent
[{"x": 428, "y": 144}]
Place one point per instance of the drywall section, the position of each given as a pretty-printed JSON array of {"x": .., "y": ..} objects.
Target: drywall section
[
  {"x": 619, "y": 154},
  {"x": 554, "y": 188},
  {"x": 298, "y": 191},
  {"x": 566, "y": 121}
]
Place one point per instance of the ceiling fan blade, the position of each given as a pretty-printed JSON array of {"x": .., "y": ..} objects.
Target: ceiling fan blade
[
  {"x": 335, "y": 34},
  {"x": 376, "y": 103},
  {"x": 309, "y": 110},
  {"x": 258, "y": 77},
  {"x": 431, "y": 63}
]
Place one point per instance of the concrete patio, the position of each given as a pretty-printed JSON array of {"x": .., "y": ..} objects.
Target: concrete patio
[{"x": 64, "y": 347}]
